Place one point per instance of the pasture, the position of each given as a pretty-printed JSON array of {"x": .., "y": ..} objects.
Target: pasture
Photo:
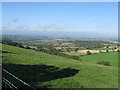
[
  {"x": 111, "y": 57},
  {"x": 51, "y": 71}
]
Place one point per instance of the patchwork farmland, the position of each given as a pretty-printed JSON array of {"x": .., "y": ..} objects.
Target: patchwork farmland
[{"x": 42, "y": 69}]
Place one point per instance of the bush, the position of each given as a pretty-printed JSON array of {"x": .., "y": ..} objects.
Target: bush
[
  {"x": 20, "y": 45},
  {"x": 88, "y": 53},
  {"x": 75, "y": 57},
  {"x": 104, "y": 63},
  {"x": 107, "y": 51},
  {"x": 27, "y": 47},
  {"x": 76, "y": 49},
  {"x": 63, "y": 54},
  {"x": 118, "y": 50}
]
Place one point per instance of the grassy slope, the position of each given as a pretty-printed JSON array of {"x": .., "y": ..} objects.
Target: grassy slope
[
  {"x": 89, "y": 75},
  {"x": 111, "y": 57}
]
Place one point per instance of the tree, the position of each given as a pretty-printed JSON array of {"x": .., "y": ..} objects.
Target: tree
[
  {"x": 68, "y": 50},
  {"x": 88, "y": 53},
  {"x": 107, "y": 51},
  {"x": 100, "y": 51},
  {"x": 87, "y": 48},
  {"x": 33, "y": 49},
  {"x": 20, "y": 45},
  {"x": 107, "y": 46},
  {"x": 27, "y": 47},
  {"x": 115, "y": 47},
  {"x": 76, "y": 49},
  {"x": 118, "y": 50}
]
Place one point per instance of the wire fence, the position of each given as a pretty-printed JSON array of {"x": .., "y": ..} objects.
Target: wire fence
[{"x": 11, "y": 85}]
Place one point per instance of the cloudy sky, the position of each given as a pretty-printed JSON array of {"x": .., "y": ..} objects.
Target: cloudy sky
[{"x": 93, "y": 19}]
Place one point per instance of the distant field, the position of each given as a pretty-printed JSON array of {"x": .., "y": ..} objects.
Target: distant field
[
  {"x": 74, "y": 53},
  {"x": 51, "y": 71},
  {"x": 67, "y": 45},
  {"x": 33, "y": 47},
  {"x": 103, "y": 48}
]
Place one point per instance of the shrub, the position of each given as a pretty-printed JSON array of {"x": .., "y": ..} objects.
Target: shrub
[
  {"x": 27, "y": 47},
  {"x": 88, "y": 53},
  {"x": 20, "y": 45},
  {"x": 75, "y": 57},
  {"x": 68, "y": 50},
  {"x": 118, "y": 50},
  {"x": 104, "y": 63},
  {"x": 76, "y": 49},
  {"x": 107, "y": 50}
]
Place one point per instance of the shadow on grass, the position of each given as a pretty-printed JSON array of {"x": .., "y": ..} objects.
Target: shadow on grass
[
  {"x": 33, "y": 74},
  {"x": 6, "y": 52}
]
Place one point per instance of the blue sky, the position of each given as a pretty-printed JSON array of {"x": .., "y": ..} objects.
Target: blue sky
[{"x": 61, "y": 18}]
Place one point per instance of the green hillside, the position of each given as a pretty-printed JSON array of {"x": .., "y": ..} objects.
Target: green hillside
[
  {"x": 111, "y": 57},
  {"x": 44, "y": 70}
]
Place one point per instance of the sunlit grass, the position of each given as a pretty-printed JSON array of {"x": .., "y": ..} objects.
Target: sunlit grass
[{"x": 90, "y": 75}]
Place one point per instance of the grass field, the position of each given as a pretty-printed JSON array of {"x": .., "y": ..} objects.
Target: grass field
[
  {"x": 74, "y": 53},
  {"x": 103, "y": 49},
  {"x": 111, "y": 57},
  {"x": 44, "y": 70}
]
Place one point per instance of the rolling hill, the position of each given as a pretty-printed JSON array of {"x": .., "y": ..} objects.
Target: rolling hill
[{"x": 51, "y": 71}]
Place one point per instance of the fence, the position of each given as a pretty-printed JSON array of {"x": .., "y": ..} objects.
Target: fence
[{"x": 9, "y": 84}]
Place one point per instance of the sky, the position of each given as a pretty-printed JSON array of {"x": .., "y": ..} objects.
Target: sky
[{"x": 71, "y": 19}]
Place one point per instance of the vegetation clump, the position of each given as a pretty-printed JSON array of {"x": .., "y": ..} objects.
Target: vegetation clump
[
  {"x": 88, "y": 53},
  {"x": 74, "y": 57},
  {"x": 104, "y": 63}
]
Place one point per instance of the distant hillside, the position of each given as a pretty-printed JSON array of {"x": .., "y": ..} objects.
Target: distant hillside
[{"x": 54, "y": 36}]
